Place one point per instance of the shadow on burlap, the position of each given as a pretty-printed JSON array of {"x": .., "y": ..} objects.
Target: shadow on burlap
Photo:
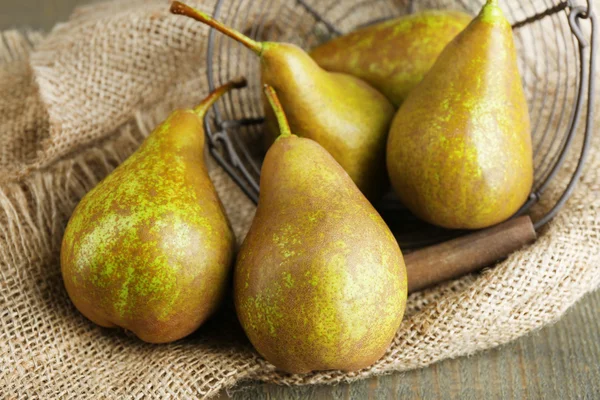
[{"x": 77, "y": 102}]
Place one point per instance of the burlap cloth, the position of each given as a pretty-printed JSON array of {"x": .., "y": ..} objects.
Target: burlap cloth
[{"x": 77, "y": 102}]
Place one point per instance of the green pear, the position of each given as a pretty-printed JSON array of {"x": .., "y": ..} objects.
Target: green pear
[
  {"x": 149, "y": 249},
  {"x": 393, "y": 56},
  {"x": 459, "y": 151},
  {"x": 344, "y": 114},
  {"x": 319, "y": 282}
]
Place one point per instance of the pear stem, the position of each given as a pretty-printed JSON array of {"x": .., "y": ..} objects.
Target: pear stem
[
  {"x": 201, "y": 108},
  {"x": 284, "y": 126},
  {"x": 491, "y": 3},
  {"x": 183, "y": 9}
]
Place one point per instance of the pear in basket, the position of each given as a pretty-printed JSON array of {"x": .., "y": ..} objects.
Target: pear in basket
[
  {"x": 459, "y": 151},
  {"x": 344, "y": 114},
  {"x": 393, "y": 56}
]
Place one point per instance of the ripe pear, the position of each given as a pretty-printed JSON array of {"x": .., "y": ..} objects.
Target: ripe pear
[
  {"x": 320, "y": 282},
  {"x": 344, "y": 114},
  {"x": 459, "y": 151},
  {"x": 393, "y": 56},
  {"x": 149, "y": 249}
]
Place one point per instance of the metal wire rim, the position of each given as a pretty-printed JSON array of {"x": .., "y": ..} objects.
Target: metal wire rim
[{"x": 550, "y": 148}]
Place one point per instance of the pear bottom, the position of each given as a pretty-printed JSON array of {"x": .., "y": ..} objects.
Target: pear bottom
[
  {"x": 149, "y": 249},
  {"x": 320, "y": 282}
]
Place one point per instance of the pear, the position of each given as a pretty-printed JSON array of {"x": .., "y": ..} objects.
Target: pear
[
  {"x": 393, "y": 56},
  {"x": 459, "y": 151},
  {"x": 345, "y": 115},
  {"x": 149, "y": 249},
  {"x": 319, "y": 282}
]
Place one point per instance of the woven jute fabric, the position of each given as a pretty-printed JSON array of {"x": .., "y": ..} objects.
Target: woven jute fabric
[{"x": 77, "y": 101}]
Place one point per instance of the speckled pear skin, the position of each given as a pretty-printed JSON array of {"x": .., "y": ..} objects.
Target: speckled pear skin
[
  {"x": 393, "y": 56},
  {"x": 459, "y": 151},
  {"x": 319, "y": 282},
  {"x": 345, "y": 115},
  {"x": 149, "y": 249}
]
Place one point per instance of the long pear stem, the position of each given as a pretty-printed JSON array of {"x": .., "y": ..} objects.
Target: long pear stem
[
  {"x": 201, "y": 108},
  {"x": 284, "y": 126},
  {"x": 184, "y": 9}
]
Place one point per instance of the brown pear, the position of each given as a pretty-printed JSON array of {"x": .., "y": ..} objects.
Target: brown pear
[
  {"x": 459, "y": 151},
  {"x": 393, "y": 56},
  {"x": 320, "y": 282}
]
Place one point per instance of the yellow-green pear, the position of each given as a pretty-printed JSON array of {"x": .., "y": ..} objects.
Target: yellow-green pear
[
  {"x": 393, "y": 56},
  {"x": 459, "y": 151},
  {"x": 344, "y": 114},
  {"x": 319, "y": 282}
]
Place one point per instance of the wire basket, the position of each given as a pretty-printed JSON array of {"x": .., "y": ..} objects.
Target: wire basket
[{"x": 558, "y": 85}]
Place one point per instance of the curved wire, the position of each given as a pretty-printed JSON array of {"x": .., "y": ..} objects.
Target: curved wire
[
  {"x": 233, "y": 116},
  {"x": 587, "y": 50}
]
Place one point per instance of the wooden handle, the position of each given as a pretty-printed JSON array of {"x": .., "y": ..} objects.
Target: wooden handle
[{"x": 431, "y": 265}]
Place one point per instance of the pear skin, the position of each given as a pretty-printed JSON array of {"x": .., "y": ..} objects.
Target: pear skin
[
  {"x": 459, "y": 151},
  {"x": 149, "y": 249},
  {"x": 393, "y": 56},
  {"x": 353, "y": 131},
  {"x": 319, "y": 282},
  {"x": 344, "y": 114}
]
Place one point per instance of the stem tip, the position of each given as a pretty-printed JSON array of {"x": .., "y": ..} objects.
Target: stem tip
[
  {"x": 183, "y": 9},
  {"x": 284, "y": 126},
  {"x": 236, "y": 83}
]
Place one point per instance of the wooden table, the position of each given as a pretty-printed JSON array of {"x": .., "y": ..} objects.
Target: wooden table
[{"x": 558, "y": 362}]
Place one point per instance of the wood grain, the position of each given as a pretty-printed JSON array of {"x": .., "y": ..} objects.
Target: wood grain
[
  {"x": 561, "y": 361},
  {"x": 469, "y": 253}
]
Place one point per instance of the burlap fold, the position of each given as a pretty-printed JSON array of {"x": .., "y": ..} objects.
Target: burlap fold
[{"x": 77, "y": 102}]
